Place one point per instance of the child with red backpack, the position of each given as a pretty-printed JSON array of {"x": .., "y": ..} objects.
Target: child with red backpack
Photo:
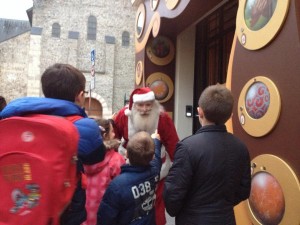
[{"x": 64, "y": 89}]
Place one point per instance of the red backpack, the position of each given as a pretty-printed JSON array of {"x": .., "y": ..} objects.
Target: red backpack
[{"x": 38, "y": 155}]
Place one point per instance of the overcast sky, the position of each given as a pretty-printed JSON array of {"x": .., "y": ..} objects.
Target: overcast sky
[{"x": 15, "y": 9}]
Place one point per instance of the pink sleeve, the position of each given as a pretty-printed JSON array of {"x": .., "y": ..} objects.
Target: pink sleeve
[{"x": 116, "y": 161}]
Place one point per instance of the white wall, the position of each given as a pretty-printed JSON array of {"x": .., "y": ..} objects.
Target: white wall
[{"x": 185, "y": 58}]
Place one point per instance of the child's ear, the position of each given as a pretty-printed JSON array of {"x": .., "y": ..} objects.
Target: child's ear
[
  {"x": 201, "y": 115},
  {"x": 105, "y": 136},
  {"x": 200, "y": 112},
  {"x": 80, "y": 98}
]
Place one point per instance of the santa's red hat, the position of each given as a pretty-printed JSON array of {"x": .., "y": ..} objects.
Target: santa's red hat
[{"x": 143, "y": 94}]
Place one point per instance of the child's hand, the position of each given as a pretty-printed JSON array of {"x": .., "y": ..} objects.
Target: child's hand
[
  {"x": 155, "y": 135},
  {"x": 113, "y": 116}
]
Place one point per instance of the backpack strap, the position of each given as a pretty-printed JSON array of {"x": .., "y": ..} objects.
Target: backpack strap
[
  {"x": 80, "y": 174},
  {"x": 73, "y": 118}
]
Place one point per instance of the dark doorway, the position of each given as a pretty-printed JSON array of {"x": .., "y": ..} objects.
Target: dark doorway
[{"x": 214, "y": 37}]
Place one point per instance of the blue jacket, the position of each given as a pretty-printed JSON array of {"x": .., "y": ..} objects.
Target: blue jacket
[
  {"x": 130, "y": 197},
  {"x": 90, "y": 150}
]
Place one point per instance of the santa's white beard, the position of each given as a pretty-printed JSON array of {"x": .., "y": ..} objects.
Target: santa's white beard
[{"x": 148, "y": 123}]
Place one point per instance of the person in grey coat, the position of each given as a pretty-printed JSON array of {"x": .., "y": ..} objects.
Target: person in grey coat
[{"x": 211, "y": 169}]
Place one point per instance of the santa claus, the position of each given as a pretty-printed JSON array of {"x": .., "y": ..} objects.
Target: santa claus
[{"x": 144, "y": 113}]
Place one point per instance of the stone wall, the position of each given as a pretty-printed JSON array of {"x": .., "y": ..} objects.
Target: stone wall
[
  {"x": 13, "y": 66},
  {"x": 114, "y": 65}
]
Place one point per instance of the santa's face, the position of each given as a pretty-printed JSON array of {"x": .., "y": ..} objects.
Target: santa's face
[
  {"x": 144, "y": 108},
  {"x": 145, "y": 116}
]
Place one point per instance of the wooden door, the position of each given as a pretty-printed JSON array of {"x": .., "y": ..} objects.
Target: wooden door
[{"x": 214, "y": 37}]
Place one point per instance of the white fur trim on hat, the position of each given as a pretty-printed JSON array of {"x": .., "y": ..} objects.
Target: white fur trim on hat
[
  {"x": 127, "y": 112},
  {"x": 149, "y": 96}
]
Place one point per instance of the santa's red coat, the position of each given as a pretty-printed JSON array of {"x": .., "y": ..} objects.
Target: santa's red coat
[
  {"x": 166, "y": 130},
  {"x": 169, "y": 139}
]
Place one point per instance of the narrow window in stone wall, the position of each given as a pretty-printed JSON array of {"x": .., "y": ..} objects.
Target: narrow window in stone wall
[
  {"x": 92, "y": 28},
  {"x": 125, "y": 38},
  {"x": 56, "y": 30}
]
